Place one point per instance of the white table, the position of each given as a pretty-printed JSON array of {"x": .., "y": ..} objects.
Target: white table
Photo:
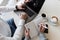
[{"x": 52, "y": 8}]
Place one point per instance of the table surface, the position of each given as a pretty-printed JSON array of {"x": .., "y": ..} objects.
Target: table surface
[{"x": 52, "y": 8}]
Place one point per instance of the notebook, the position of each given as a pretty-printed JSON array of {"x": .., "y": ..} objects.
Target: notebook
[{"x": 33, "y": 31}]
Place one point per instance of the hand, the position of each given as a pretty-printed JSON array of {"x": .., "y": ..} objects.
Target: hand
[
  {"x": 23, "y": 15},
  {"x": 27, "y": 33},
  {"x": 20, "y": 7},
  {"x": 42, "y": 28},
  {"x": 26, "y": 1}
]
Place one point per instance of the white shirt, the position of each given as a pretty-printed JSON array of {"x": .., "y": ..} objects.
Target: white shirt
[
  {"x": 20, "y": 2},
  {"x": 11, "y": 3},
  {"x": 10, "y": 6},
  {"x": 5, "y": 32}
]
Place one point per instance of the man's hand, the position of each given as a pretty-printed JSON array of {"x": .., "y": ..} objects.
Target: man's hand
[
  {"x": 23, "y": 15},
  {"x": 21, "y": 5}
]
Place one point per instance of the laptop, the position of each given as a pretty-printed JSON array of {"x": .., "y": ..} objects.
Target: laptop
[{"x": 33, "y": 8}]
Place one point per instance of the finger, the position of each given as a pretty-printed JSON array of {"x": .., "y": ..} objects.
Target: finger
[
  {"x": 41, "y": 28},
  {"x": 26, "y": 33}
]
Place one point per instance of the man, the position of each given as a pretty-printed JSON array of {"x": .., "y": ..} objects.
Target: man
[{"x": 5, "y": 31}]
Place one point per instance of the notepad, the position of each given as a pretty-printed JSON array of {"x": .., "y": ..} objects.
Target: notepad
[{"x": 32, "y": 26}]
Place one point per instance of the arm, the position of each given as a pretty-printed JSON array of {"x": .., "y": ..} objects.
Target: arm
[
  {"x": 6, "y": 8},
  {"x": 18, "y": 34},
  {"x": 19, "y": 31},
  {"x": 21, "y": 4},
  {"x": 11, "y": 6}
]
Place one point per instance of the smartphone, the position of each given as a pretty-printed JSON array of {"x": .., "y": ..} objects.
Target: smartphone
[{"x": 46, "y": 28}]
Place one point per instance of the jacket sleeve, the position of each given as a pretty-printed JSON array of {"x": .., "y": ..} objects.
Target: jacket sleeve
[
  {"x": 20, "y": 2},
  {"x": 7, "y": 8},
  {"x": 26, "y": 38},
  {"x": 18, "y": 33}
]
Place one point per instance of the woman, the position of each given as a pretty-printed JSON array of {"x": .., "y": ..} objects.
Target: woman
[{"x": 5, "y": 31}]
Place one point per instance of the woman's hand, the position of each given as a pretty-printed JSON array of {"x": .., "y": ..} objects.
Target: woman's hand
[
  {"x": 42, "y": 28},
  {"x": 21, "y": 5},
  {"x": 23, "y": 15},
  {"x": 27, "y": 33}
]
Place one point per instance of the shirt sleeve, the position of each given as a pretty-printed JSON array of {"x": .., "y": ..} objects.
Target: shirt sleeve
[
  {"x": 20, "y": 2},
  {"x": 27, "y": 38},
  {"x": 7, "y": 8},
  {"x": 18, "y": 33}
]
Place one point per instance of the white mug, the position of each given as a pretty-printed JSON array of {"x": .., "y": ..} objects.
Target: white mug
[{"x": 54, "y": 19}]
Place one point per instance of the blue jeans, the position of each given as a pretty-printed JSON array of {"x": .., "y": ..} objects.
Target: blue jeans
[{"x": 12, "y": 26}]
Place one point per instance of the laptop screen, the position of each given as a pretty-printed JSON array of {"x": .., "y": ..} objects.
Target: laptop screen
[{"x": 34, "y": 6}]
